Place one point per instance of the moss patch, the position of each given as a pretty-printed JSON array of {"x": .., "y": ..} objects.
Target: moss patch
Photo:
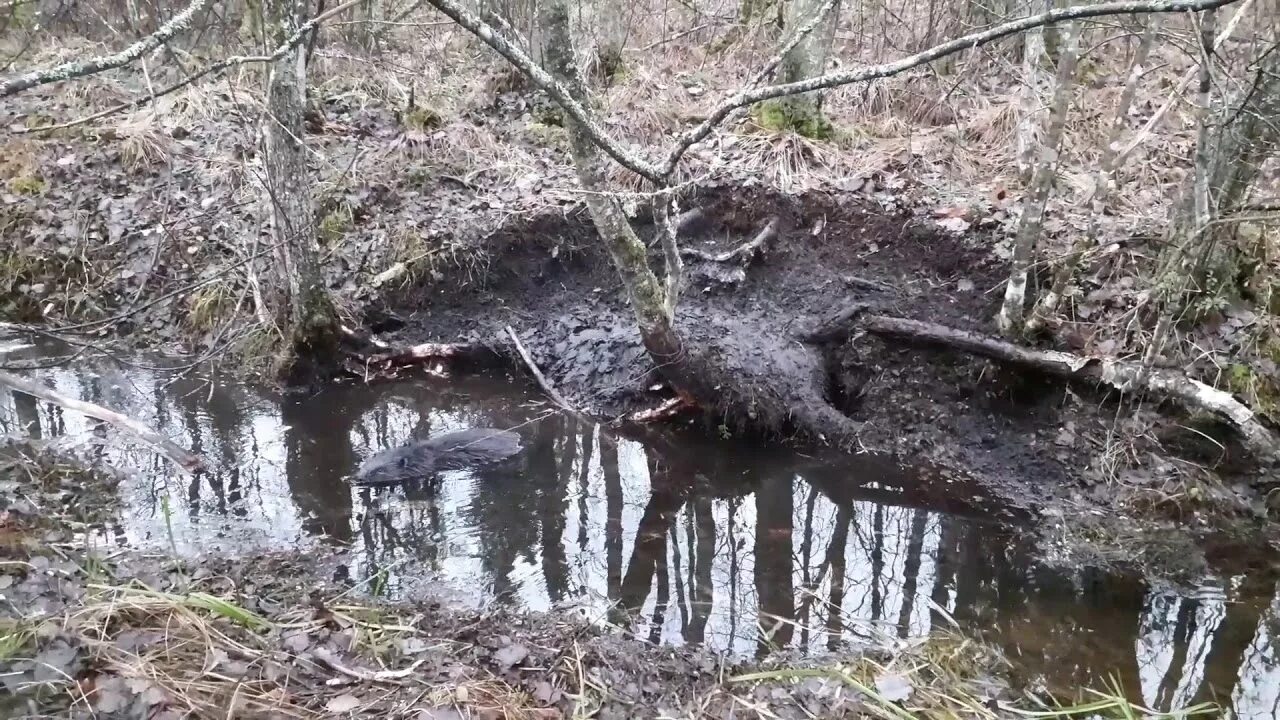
[
  {"x": 209, "y": 306},
  {"x": 335, "y": 224},
  {"x": 423, "y": 119},
  {"x": 788, "y": 115},
  {"x": 548, "y": 136},
  {"x": 1261, "y": 392},
  {"x": 28, "y": 185}
]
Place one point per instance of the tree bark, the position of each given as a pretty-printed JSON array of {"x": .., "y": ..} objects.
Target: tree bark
[
  {"x": 303, "y": 307},
  {"x": 1035, "y": 93},
  {"x": 1031, "y": 225},
  {"x": 647, "y": 293},
  {"x": 1234, "y": 144},
  {"x": 1103, "y": 183},
  {"x": 1190, "y": 227},
  {"x": 804, "y": 60}
]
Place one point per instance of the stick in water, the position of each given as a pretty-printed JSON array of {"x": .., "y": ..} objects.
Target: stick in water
[{"x": 166, "y": 447}]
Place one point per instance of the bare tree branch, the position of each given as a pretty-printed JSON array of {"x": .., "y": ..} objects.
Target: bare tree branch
[
  {"x": 797, "y": 38},
  {"x": 626, "y": 157},
  {"x": 292, "y": 41},
  {"x": 81, "y": 68},
  {"x": 876, "y": 72}
]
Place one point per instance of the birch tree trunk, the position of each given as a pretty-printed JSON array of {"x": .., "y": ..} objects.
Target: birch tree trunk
[
  {"x": 1035, "y": 90},
  {"x": 650, "y": 298},
  {"x": 803, "y": 113},
  {"x": 1032, "y": 223},
  {"x": 302, "y": 305},
  {"x": 1104, "y": 183}
]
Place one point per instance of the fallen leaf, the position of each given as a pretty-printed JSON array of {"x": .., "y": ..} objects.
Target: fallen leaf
[
  {"x": 342, "y": 703},
  {"x": 894, "y": 688},
  {"x": 510, "y": 656}
]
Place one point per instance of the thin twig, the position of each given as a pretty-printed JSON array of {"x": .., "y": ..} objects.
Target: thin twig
[
  {"x": 542, "y": 380},
  {"x": 293, "y": 41}
]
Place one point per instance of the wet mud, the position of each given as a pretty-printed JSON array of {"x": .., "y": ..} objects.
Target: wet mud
[{"x": 1026, "y": 439}]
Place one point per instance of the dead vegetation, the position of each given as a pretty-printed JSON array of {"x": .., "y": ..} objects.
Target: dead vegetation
[{"x": 938, "y": 138}]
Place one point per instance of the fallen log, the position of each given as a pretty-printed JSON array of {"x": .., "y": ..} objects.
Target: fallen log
[
  {"x": 188, "y": 461},
  {"x": 1119, "y": 374}
]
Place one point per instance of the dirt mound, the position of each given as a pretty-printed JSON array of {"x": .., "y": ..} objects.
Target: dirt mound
[{"x": 548, "y": 279}]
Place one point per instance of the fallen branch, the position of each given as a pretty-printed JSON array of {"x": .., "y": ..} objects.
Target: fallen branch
[
  {"x": 327, "y": 659},
  {"x": 541, "y": 379},
  {"x": 745, "y": 252},
  {"x": 166, "y": 447},
  {"x": 1121, "y": 375},
  {"x": 837, "y": 327}
]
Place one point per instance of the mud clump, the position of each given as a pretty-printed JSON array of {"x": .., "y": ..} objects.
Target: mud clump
[{"x": 550, "y": 281}]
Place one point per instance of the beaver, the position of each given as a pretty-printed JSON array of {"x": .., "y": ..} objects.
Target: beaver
[{"x": 421, "y": 459}]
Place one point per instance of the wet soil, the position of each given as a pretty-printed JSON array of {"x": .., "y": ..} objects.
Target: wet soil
[{"x": 1029, "y": 441}]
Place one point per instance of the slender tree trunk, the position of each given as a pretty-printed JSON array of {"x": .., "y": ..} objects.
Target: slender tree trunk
[
  {"x": 650, "y": 299},
  {"x": 1034, "y": 97},
  {"x": 1029, "y": 228},
  {"x": 803, "y": 113},
  {"x": 303, "y": 306},
  {"x": 1235, "y": 142},
  {"x": 1190, "y": 228},
  {"x": 1104, "y": 182}
]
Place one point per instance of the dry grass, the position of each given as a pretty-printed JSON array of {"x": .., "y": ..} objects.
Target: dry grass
[
  {"x": 942, "y": 136},
  {"x": 209, "y": 657}
]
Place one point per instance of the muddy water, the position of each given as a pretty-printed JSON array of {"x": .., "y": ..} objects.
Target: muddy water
[{"x": 703, "y": 542}]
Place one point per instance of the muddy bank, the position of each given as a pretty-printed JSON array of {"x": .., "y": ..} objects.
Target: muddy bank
[
  {"x": 1027, "y": 438},
  {"x": 151, "y": 249}
]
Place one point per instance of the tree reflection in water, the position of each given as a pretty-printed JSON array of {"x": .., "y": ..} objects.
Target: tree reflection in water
[{"x": 684, "y": 542}]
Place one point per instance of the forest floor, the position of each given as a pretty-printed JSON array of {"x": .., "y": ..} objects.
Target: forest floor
[
  {"x": 105, "y": 631},
  {"x": 450, "y": 221}
]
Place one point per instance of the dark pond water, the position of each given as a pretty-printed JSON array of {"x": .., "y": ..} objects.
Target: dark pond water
[{"x": 713, "y": 543}]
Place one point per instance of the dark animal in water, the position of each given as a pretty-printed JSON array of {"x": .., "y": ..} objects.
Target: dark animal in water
[{"x": 421, "y": 459}]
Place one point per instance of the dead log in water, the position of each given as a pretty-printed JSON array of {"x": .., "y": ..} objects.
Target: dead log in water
[{"x": 180, "y": 456}]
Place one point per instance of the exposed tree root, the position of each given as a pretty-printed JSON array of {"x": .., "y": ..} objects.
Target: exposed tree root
[
  {"x": 1121, "y": 375},
  {"x": 759, "y": 383},
  {"x": 730, "y": 266},
  {"x": 672, "y": 408},
  {"x": 744, "y": 253}
]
